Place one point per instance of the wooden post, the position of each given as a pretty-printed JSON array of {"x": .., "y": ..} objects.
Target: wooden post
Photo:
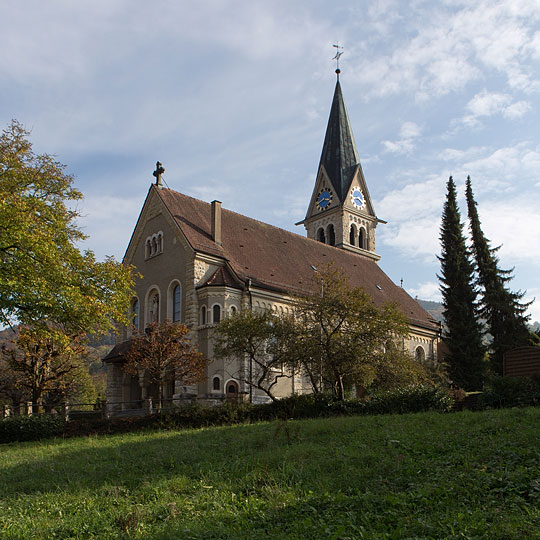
[
  {"x": 65, "y": 410},
  {"x": 29, "y": 408}
]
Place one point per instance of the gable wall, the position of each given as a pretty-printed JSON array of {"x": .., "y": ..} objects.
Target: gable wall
[{"x": 162, "y": 271}]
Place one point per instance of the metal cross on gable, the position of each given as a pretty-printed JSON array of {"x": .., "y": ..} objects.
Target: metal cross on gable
[
  {"x": 158, "y": 172},
  {"x": 337, "y": 56}
]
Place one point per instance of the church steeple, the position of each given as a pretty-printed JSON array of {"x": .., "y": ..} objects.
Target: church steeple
[
  {"x": 340, "y": 212},
  {"x": 339, "y": 155}
]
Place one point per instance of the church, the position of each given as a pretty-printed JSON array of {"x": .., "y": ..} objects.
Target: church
[{"x": 200, "y": 262}]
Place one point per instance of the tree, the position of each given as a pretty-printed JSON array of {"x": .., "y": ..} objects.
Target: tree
[
  {"x": 162, "y": 353},
  {"x": 45, "y": 365},
  {"x": 43, "y": 276},
  {"x": 463, "y": 334},
  {"x": 58, "y": 293},
  {"x": 503, "y": 310},
  {"x": 257, "y": 337},
  {"x": 341, "y": 335}
]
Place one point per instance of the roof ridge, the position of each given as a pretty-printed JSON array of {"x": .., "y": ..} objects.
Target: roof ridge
[{"x": 226, "y": 210}]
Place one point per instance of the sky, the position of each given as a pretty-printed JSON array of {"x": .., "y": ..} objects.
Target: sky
[{"x": 233, "y": 98}]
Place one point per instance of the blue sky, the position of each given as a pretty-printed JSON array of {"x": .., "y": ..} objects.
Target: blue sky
[{"x": 233, "y": 97}]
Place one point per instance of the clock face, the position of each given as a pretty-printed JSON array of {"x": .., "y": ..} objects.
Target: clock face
[
  {"x": 357, "y": 198},
  {"x": 324, "y": 198}
]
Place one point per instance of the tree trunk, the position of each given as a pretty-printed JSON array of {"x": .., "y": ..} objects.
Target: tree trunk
[{"x": 340, "y": 388}]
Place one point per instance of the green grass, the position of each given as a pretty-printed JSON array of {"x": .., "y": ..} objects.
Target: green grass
[{"x": 429, "y": 475}]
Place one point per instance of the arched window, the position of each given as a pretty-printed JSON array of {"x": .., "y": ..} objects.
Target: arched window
[
  {"x": 203, "y": 315},
  {"x": 154, "y": 246},
  {"x": 362, "y": 238},
  {"x": 231, "y": 389},
  {"x": 159, "y": 243},
  {"x": 352, "y": 236},
  {"x": 420, "y": 354},
  {"x": 232, "y": 311},
  {"x": 216, "y": 384},
  {"x": 331, "y": 234},
  {"x": 320, "y": 236},
  {"x": 135, "y": 313},
  {"x": 216, "y": 313},
  {"x": 148, "y": 248},
  {"x": 177, "y": 303}
]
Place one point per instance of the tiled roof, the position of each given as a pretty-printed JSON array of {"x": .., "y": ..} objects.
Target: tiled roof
[
  {"x": 118, "y": 351},
  {"x": 222, "y": 277},
  {"x": 277, "y": 259}
]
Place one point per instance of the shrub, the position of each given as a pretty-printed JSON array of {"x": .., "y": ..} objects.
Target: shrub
[
  {"x": 31, "y": 428},
  {"x": 510, "y": 392},
  {"x": 411, "y": 399},
  {"x": 294, "y": 406}
]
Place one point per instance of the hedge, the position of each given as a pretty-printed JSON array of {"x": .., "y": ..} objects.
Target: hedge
[{"x": 405, "y": 400}]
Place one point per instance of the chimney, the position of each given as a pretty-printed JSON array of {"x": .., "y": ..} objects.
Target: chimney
[{"x": 216, "y": 222}]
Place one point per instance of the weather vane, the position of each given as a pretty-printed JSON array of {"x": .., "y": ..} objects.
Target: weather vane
[{"x": 336, "y": 58}]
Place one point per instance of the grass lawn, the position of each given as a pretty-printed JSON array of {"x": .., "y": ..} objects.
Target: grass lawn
[{"x": 461, "y": 475}]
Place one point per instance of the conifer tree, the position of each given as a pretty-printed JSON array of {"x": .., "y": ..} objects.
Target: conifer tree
[
  {"x": 503, "y": 310},
  {"x": 463, "y": 334}
]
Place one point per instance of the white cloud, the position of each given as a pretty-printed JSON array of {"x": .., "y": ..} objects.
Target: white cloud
[
  {"x": 446, "y": 46},
  {"x": 406, "y": 143},
  {"x": 533, "y": 295},
  {"x": 509, "y": 216},
  {"x": 517, "y": 110},
  {"x": 485, "y": 104},
  {"x": 428, "y": 290}
]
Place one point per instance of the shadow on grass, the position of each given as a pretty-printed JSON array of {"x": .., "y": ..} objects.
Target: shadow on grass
[{"x": 329, "y": 478}]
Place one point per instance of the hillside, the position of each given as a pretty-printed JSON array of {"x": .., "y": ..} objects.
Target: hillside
[
  {"x": 411, "y": 476},
  {"x": 435, "y": 309}
]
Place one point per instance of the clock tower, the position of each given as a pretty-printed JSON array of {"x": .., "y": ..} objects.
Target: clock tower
[{"x": 340, "y": 212}]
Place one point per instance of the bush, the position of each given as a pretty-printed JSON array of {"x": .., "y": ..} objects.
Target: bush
[
  {"x": 406, "y": 400},
  {"x": 510, "y": 392},
  {"x": 294, "y": 406},
  {"x": 411, "y": 399},
  {"x": 31, "y": 428}
]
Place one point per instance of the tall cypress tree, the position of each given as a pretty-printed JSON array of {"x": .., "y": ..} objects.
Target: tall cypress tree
[
  {"x": 503, "y": 310},
  {"x": 463, "y": 334}
]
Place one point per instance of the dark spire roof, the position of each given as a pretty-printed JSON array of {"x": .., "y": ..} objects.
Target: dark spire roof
[{"x": 339, "y": 155}]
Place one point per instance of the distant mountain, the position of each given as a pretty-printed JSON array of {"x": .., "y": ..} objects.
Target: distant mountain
[{"x": 435, "y": 309}]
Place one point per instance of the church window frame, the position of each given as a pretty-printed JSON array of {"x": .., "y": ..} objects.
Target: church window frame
[
  {"x": 153, "y": 245},
  {"x": 331, "y": 234},
  {"x": 175, "y": 301},
  {"x": 353, "y": 235},
  {"x": 362, "y": 238},
  {"x": 216, "y": 313},
  {"x": 203, "y": 316},
  {"x": 135, "y": 315},
  {"x": 420, "y": 354},
  {"x": 232, "y": 311},
  {"x": 321, "y": 236},
  {"x": 216, "y": 383}
]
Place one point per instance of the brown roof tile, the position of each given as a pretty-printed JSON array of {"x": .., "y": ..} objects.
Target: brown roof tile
[
  {"x": 281, "y": 260},
  {"x": 118, "y": 352},
  {"x": 222, "y": 277}
]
